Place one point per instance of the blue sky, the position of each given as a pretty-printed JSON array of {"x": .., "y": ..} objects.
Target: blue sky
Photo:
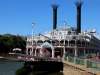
[{"x": 16, "y": 16}]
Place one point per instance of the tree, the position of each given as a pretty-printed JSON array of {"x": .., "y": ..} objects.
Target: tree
[{"x": 8, "y": 41}]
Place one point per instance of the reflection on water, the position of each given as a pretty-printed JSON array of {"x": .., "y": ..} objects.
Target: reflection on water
[
  {"x": 8, "y": 67},
  {"x": 29, "y": 71},
  {"x": 24, "y": 71}
]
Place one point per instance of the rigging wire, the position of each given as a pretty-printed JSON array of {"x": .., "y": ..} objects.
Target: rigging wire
[
  {"x": 46, "y": 28},
  {"x": 49, "y": 27},
  {"x": 23, "y": 28},
  {"x": 29, "y": 25},
  {"x": 17, "y": 42},
  {"x": 44, "y": 23},
  {"x": 98, "y": 33},
  {"x": 29, "y": 31},
  {"x": 37, "y": 24},
  {"x": 68, "y": 24},
  {"x": 41, "y": 26},
  {"x": 22, "y": 43},
  {"x": 62, "y": 24}
]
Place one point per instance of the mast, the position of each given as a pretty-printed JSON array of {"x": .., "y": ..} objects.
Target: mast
[
  {"x": 32, "y": 39},
  {"x": 64, "y": 35}
]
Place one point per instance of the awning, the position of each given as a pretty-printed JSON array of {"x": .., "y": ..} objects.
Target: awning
[
  {"x": 16, "y": 49},
  {"x": 47, "y": 44}
]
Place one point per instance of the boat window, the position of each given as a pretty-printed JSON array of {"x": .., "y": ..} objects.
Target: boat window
[
  {"x": 72, "y": 29},
  {"x": 71, "y": 51},
  {"x": 69, "y": 33},
  {"x": 74, "y": 37},
  {"x": 81, "y": 51},
  {"x": 61, "y": 37}
]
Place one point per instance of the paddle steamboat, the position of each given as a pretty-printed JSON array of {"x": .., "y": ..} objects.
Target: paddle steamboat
[
  {"x": 69, "y": 40},
  {"x": 59, "y": 41}
]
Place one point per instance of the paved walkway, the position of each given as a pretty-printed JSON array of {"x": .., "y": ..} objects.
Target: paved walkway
[
  {"x": 69, "y": 70},
  {"x": 82, "y": 68}
]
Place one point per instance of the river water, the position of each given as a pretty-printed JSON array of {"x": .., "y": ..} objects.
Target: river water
[{"x": 9, "y": 67}]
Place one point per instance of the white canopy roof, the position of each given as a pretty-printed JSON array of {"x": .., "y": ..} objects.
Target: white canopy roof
[
  {"x": 16, "y": 49},
  {"x": 47, "y": 44}
]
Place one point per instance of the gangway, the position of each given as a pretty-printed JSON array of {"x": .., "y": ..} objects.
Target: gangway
[{"x": 37, "y": 57}]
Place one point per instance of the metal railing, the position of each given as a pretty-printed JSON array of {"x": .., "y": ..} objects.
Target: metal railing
[
  {"x": 93, "y": 64},
  {"x": 80, "y": 61},
  {"x": 71, "y": 59},
  {"x": 65, "y": 58}
]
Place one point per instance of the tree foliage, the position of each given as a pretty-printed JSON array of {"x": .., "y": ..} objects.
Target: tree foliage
[{"x": 8, "y": 42}]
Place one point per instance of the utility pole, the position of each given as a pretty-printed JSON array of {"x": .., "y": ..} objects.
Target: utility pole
[{"x": 64, "y": 36}]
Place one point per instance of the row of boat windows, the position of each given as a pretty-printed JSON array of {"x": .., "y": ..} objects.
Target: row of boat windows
[
  {"x": 72, "y": 51},
  {"x": 94, "y": 39},
  {"x": 78, "y": 45},
  {"x": 73, "y": 42},
  {"x": 61, "y": 37}
]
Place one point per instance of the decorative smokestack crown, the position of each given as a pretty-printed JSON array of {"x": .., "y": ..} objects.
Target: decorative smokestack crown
[
  {"x": 79, "y": 4},
  {"x": 55, "y": 6}
]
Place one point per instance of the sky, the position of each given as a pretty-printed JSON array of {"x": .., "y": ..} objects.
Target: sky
[{"x": 17, "y": 16}]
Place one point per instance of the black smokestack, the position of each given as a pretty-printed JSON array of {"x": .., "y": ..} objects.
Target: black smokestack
[
  {"x": 78, "y": 5},
  {"x": 54, "y": 6}
]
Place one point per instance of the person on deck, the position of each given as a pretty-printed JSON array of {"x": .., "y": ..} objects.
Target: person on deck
[{"x": 59, "y": 58}]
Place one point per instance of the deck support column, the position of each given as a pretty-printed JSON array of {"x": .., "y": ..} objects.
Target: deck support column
[
  {"x": 30, "y": 51},
  {"x": 84, "y": 51},
  {"x": 88, "y": 51},
  {"x": 35, "y": 52},
  {"x": 53, "y": 53},
  {"x": 64, "y": 50},
  {"x": 26, "y": 51},
  {"x": 75, "y": 51},
  {"x": 61, "y": 53},
  {"x": 59, "y": 42}
]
